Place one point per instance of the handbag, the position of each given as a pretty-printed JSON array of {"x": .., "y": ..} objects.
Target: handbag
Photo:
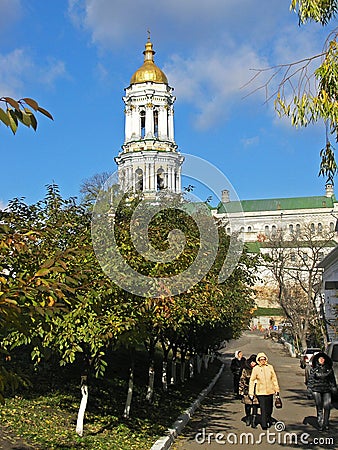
[{"x": 278, "y": 402}]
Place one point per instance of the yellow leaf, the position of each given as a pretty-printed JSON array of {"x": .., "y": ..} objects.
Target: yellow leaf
[{"x": 42, "y": 272}]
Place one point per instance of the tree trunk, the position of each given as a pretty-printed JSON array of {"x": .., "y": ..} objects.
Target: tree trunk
[
  {"x": 165, "y": 349},
  {"x": 206, "y": 361},
  {"x": 199, "y": 363},
  {"x": 150, "y": 391},
  {"x": 182, "y": 373},
  {"x": 164, "y": 376},
  {"x": 83, "y": 405},
  {"x": 151, "y": 380},
  {"x": 126, "y": 412},
  {"x": 173, "y": 365},
  {"x": 191, "y": 367}
]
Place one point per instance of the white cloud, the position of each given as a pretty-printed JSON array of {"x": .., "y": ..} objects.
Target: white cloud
[
  {"x": 250, "y": 142},
  {"x": 212, "y": 82},
  {"x": 13, "y": 69},
  {"x": 54, "y": 70},
  {"x": 17, "y": 68},
  {"x": 210, "y": 46},
  {"x": 111, "y": 22}
]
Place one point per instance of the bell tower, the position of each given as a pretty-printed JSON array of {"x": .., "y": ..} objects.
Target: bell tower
[{"x": 149, "y": 161}]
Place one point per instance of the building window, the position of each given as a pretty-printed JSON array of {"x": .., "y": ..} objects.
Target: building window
[
  {"x": 242, "y": 230},
  {"x": 139, "y": 180},
  {"x": 160, "y": 179},
  {"x": 293, "y": 257},
  {"x": 266, "y": 230},
  {"x": 312, "y": 228},
  {"x": 297, "y": 228},
  {"x": 330, "y": 285},
  {"x": 331, "y": 226},
  {"x": 321, "y": 256},
  {"x": 273, "y": 230},
  {"x": 320, "y": 228},
  {"x": 143, "y": 123},
  {"x": 291, "y": 228},
  {"x": 305, "y": 256},
  {"x": 156, "y": 123},
  {"x": 249, "y": 229},
  {"x": 228, "y": 230}
]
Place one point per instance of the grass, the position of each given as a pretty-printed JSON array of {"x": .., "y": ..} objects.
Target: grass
[
  {"x": 45, "y": 415},
  {"x": 260, "y": 311}
]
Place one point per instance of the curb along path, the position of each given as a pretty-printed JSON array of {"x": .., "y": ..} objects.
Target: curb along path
[
  {"x": 219, "y": 420},
  {"x": 166, "y": 442}
]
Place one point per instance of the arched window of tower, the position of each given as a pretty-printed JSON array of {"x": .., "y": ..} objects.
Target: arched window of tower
[
  {"x": 160, "y": 179},
  {"x": 143, "y": 124},
  {"x": 139, "y": 180},
  {"x": 156, "y": 123}
]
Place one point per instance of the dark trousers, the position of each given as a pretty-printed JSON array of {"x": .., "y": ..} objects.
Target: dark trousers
[
  {"x": 266, "y": 406},
  {"x": 323, "y": 402},
  {"x": 251, "y": 410},
  {"x": 237, "y": 377}
]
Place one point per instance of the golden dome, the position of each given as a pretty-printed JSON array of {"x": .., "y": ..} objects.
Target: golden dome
[{"x": 149, "y": 71}]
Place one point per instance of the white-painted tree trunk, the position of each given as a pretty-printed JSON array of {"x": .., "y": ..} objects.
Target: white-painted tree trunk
[
  {"x": 129, "y": 395},
  {"x": 164, "y": 376},
  {"x": 82, "y": 409},
  {"x": 206, "y": 361},
  {"x": 191, "y": 367},
  {"x": 183, "y": 371},
  {"x": 173, "y": 372},
  {"x": 150, "y": 391},
  {"x": 199, "y": 364}
]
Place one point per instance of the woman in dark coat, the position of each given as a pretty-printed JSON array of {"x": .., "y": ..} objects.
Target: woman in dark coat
[
  {"x": 236, "y": 367},
  {"x": 321, "y": 384},
  {"x": 250, "y": 405}
]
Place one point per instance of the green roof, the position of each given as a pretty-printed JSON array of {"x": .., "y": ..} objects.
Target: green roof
[
  {"x": 253, "y": 247},
  {"x": 277, "y": 204}
]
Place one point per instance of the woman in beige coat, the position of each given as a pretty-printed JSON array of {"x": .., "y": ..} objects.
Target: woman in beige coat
[{"x": 264, "y": 383}]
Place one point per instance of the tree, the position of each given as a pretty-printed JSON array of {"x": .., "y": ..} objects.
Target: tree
[
  {"x": 293, "y": 261},
  {"x": 178, "y": 321},
  {"x": 56, "y": 299},
  {"x": 53, "y": 293},
  {"x": 21, "y": 111},
  {"x": 91, "y": 187},
  {"x": 305, "y": 95}
]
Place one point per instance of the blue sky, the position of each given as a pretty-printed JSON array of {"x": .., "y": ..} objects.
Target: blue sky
[{"x": 76, "y": 57}]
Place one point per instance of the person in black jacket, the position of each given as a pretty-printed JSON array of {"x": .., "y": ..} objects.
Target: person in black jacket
[
  {"x": 250, "y": 405},
  {"x": 321, "y": 384},
  {"x": 236, "y": 367}
]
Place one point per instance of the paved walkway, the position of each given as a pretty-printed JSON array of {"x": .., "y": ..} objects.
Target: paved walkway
[
  {"x": 219, "y": 421},
  {"x": 9, "y": 441}
]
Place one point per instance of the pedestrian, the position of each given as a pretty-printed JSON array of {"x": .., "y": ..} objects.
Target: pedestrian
[
  {"x": 236, "y": 367},
  {"x": 264, "y": 379},
  {"x": 321, "y": 384},
  {"x": 250, "y": 406}
]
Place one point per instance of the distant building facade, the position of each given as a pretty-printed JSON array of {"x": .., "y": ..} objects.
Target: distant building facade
[
  {"x": 330, "y": 292},
  {"x": 264, "y": 218}
]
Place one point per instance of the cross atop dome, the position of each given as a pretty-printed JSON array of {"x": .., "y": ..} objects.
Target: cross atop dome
[{"x": 149, "y": 70}]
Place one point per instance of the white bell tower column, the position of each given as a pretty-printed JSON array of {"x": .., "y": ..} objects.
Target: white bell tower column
[{"x": 149, "y": 160}]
